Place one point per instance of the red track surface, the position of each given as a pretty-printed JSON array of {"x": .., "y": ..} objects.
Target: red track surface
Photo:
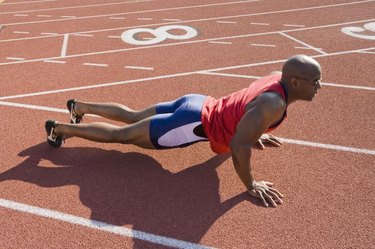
[{"x": 188, "y": 194}]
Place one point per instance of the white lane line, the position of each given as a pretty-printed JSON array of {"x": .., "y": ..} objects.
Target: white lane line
[
  {"x": 144, "y": 19},
  {"x": 229, "y": 75},
  {"x": 96, "y": 86},
  {"x": 64, "y": 45},
  {"x": 116, "y": 18},
  {"x": 41, "y": 1},
  {"x": 356, "y": 87},
  {"x": 15, "y": 58},
  {"x": 365, "y": 52},
  {"x": 98, "y": 225},
  {"x": 114, "y": 37},
  {"x": 85, "y": 35},
  {"x": 47, "y": 33},
  {"x": 140, "y": 68},
  {"x": 43, "y": 15},
  {"x": 220, "y": 42},
  {"x": 368, "y": 88},
  {"x": 260, "y": 23},
  {"x": 216, "y": 18},
  {"x": 21, "y": 32},
  {"x": 130, "y": 2},
  {"x": 286, "y": 140},
  {"x": 303, "y": 43},
  {"x": 68, "y": 16},
  {"x": 172, "y": 20},
  {"x": 229, "y": 22},
  {"x": 329, "y": 146},
  {"x": 95, "y": 64},
  {"x": 294, "y": 25},
  {"x": 54, "y": 61},
  {"x": 307, "y": 48},
  {"x": 263, "y": 45},
  {"x": 20, "y": 15}
]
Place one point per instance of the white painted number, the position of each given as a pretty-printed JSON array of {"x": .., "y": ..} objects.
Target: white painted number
[
  {"x": 159, "y": 34},
  {"x": 354, "y": 31}
]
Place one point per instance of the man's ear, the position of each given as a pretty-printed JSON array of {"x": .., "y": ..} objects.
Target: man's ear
[{"x": 294, "y": 82}]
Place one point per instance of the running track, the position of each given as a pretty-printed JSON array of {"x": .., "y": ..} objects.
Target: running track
[{"x": 89, "y": 195}]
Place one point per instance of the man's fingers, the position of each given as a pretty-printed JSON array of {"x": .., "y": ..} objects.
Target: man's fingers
[
  {"x": 275, "y": 196},
  {"x": 261, "y": 197},
  {"x": 276, "y": 191},
  {"x": 269, "y": 198},
  {"x": 261, "y": 145},
  {"x": 269, "y": 184}
]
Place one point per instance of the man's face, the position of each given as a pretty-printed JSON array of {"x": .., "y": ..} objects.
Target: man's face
[{"x": 308, "y": 85}]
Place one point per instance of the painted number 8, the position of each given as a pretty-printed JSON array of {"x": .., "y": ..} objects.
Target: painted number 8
[
  {"x": 160, "y": 34},
  {"x": 355, "y": 31}
]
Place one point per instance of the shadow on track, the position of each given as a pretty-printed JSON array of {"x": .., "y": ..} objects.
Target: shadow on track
[{"x": 133, "y": 188}]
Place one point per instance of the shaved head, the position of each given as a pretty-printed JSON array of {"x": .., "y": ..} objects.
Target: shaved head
[{"x": 300, "y": 66}]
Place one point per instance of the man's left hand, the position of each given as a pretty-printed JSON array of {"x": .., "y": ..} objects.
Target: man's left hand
[{"x": 267, "y": 139}]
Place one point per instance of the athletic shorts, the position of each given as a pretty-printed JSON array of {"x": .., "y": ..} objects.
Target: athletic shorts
[{"x": 178, "y": 123}]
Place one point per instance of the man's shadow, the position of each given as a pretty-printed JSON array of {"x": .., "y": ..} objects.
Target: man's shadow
[{"x": 132, "y": 188}]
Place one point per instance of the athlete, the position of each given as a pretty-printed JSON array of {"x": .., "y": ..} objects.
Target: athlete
[{"x": 234, "y": 123}]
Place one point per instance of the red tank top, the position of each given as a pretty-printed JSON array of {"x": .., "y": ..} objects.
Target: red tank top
[{"x": 221, "y": 116}]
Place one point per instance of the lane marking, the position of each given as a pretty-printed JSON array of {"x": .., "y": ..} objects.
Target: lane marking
[
  {"x": 47, "y": 33},
  {"x": 178, "y": 75},
  {"x": 283, "y": 60},
  {"x": 95, "y": 64},
  {"x": 116, "y": 18},
  {"x": 263, "y": 45},
  {"x": 219, "y": 42},
  {"x": 286, "y": 140},
  {"x": 21, "y": 32},
  {"x": 83, "y": 35},
  {"x": 365, "y": 52},
  {"x": 96, "y": 86},
  {"x": 329, "y": 146},
  {"x": 41, "y": 1},
  {"x": 100, "y": 226},
  {"x": 64, "y": 45},
  {"x": 209, "y": 19},
  {"x": 114, "y": 37},
  {"x": 294, "y": 25},
  {"x": 71, "y": 7},
  {"x": 303, "y": 43},
  {"x": 144, "y": 19},
  {"x": 229, "y": 22},
  {"x": 183, "y": 43},
  {"x": 229, "y": 75},
  {"x": 43, "y": 15},
  {"x": 173, "y": 20},
  {"x": 20, "y": 15},
  {"x": 260, "y": 23},
  {"x": 68, "y": 16},
  {"x": 140, "y": 68},
  {"x": 54, "y": 61},
  {"x": 368, "y": 88},
  {"x": 15, "y": 58},
  {"x": 306, "y": 48}
]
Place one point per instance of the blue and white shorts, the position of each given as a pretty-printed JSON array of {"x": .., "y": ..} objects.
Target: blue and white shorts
[{"x": 178, "y": 123}]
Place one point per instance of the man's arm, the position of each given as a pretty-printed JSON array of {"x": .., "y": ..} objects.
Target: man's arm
[{"x": 260, "y": 114}]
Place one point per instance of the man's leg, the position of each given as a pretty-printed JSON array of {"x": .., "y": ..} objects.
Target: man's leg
[
  {"x": 114, "y": 111},
  {"x": 137, "y": 133}
]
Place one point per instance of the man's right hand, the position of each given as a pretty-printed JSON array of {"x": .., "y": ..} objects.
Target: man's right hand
[{"x": 264, "y": 191}]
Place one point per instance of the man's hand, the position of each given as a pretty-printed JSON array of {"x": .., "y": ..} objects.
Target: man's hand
[
  {"x": 267, "y": 139},
  {"x": 263, "y": 191}
]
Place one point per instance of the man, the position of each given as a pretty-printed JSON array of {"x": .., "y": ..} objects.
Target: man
[{"x": 233, "y": 123}]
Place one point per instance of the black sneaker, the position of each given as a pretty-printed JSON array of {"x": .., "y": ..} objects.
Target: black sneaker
[
  {"x": 74, "y": 117},
  {"x": 53, "y": 139}
]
